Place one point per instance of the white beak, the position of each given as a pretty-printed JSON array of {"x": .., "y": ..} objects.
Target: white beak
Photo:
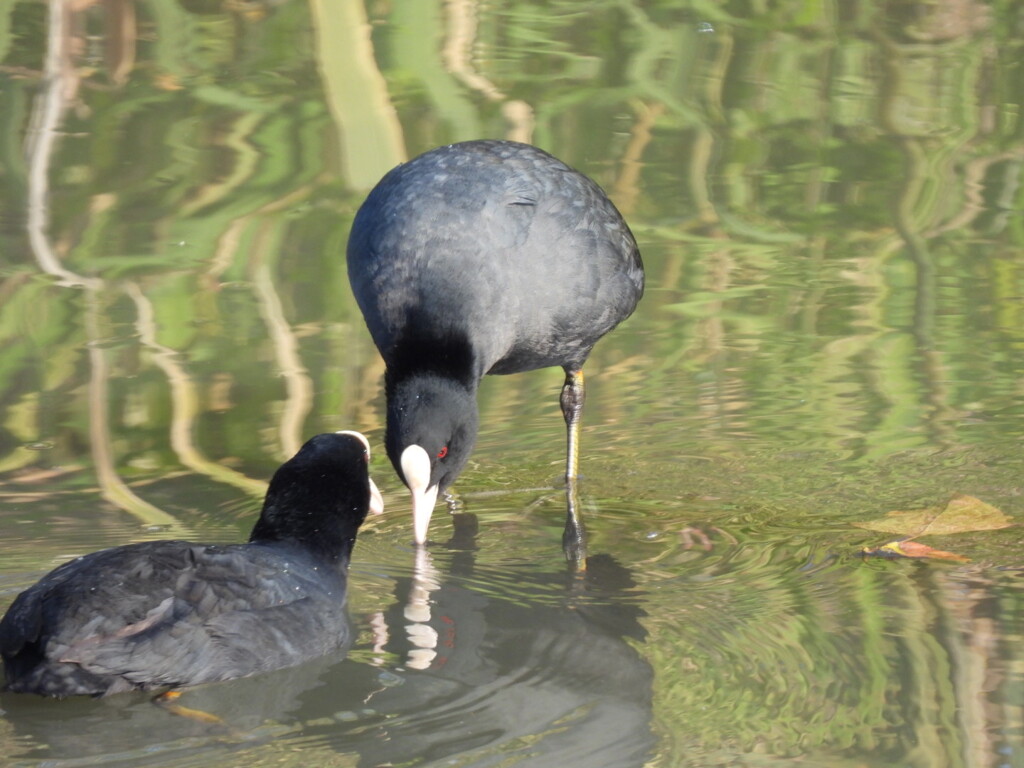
[
  {"x": 376, "y": 500},
  {"x": 416, "y": 471}
]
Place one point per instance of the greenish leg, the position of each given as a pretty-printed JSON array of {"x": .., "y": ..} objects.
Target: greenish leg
[
  {"x": 574, "y": 538},
  {"x": 573, "y": 395}
]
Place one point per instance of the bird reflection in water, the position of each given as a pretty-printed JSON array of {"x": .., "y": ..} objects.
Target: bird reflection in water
[{"x": 541, "y": 666}]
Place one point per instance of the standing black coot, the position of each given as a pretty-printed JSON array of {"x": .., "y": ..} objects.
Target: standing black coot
[
  {"x": 173, "y": 613},
  {"x": 476, "y": 258}
]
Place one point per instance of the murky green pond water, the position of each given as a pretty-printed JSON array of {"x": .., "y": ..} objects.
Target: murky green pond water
[{"x": 828, "y": 198}]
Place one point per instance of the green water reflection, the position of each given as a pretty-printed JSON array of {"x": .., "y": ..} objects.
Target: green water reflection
[{"x": 828, "y": 198}]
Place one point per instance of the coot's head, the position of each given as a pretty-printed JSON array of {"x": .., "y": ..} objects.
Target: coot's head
[
  {"x": 431, "y": 428},
  {"x": 320, "y": 497}
]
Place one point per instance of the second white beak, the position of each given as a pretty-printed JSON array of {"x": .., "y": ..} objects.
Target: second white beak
[{"x": 416, "y": 471}]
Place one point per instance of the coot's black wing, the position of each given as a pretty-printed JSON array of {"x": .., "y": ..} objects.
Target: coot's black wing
[
  {"x": 170, "y": 613},
  {"x": 496, "y": 242}
]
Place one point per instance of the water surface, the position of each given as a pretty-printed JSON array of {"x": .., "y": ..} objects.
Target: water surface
[{"x": 827, "y": 198}]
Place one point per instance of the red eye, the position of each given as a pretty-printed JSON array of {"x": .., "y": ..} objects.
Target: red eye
[{"x": 443, "y": 452}]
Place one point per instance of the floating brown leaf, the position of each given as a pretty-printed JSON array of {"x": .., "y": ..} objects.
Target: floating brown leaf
[
  {"x": 962, "y": 513},
  {"x": 915, "y": 550}
]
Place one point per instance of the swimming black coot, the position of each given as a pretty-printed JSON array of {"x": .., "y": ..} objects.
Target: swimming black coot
[
  {"x": 174, "y": 613},
  {"x": 476, "y": 258}
]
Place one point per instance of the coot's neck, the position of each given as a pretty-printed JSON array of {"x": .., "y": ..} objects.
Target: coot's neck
[
  {"x": 322, "y": 527},
  {"x": 448, "y": 355}
]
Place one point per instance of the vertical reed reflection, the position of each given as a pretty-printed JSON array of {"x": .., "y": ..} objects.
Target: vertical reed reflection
[
  {"x": 185, "y": 402},
  {"x": 112, "y": 487}
]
